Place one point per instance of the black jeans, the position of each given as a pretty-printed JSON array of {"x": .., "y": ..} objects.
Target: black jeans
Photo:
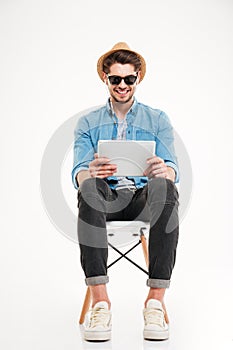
[{"x": 157, "y": 202}]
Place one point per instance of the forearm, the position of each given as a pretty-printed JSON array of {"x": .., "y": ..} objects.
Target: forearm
[
  {"x": 171, "y": 174},
  {"x": 83, "y": 175}
]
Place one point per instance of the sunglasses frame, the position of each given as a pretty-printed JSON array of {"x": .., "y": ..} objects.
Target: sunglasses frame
[{"x": 118, "y": 76}]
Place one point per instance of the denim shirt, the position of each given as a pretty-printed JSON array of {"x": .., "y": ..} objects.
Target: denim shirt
[{"x": 143, "y": 123}]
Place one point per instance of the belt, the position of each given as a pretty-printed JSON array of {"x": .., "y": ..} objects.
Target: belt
[{"x": 130, "y": 188}]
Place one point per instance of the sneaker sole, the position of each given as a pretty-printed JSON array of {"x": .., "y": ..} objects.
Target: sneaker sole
[
  {"x": 155, "y": 335},
  {"x": 97, "y": 336}
]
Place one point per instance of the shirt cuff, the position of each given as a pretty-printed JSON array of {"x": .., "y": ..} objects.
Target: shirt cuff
[
  {"x": 74, "y": 174},
  {"x": 174, "y": 166}
]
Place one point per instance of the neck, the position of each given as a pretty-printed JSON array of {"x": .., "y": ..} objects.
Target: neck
[{"x": 121, "y": 109}]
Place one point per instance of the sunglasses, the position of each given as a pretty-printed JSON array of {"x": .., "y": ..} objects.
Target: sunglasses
[{"x": 116, "y": 79}]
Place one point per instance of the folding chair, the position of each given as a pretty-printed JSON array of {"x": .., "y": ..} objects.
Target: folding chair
[{"x": 121, "y": 233}]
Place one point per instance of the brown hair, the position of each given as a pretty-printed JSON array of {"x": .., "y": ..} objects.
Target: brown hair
[{"x": 123, "y": 57}]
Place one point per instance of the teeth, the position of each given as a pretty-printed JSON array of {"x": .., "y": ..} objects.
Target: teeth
[{"x": 122, "y": 92}]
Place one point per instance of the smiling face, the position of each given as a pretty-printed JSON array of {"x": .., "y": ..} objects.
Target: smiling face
[{"x": 122, "y": 93}]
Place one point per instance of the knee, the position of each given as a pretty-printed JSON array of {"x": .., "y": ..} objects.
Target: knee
[
  {"x": 91, "y": 185},
  {"x": 161, "y": 189},
  {"x": 91, "y": 194}
]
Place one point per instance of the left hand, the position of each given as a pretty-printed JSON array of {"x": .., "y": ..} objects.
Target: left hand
[{"x": 158, "y": 168}]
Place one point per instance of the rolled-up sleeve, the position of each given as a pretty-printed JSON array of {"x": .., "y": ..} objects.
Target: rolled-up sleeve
[
  {"x": 83, "y": 149},
  {"x": 165, "y": 148}
]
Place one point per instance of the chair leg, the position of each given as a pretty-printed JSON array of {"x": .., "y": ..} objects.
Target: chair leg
[
  {"x": 145, "y": 253},
  {"x": 86, "y": 305},
  {"x": 144, "y": 248}
]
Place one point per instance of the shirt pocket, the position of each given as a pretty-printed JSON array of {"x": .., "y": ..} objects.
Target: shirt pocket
[{"x": 144, "y": 135}]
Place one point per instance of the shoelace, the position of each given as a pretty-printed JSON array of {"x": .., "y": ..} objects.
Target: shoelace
[
  {"x": 99, "y": 317},
  {"x": 154, "y": 316}
]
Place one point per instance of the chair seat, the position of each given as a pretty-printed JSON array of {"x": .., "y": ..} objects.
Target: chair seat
[{"x": 121, "y": 233}]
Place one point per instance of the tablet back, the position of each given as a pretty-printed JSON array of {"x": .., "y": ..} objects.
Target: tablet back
[{"x": 129, "y": 155}]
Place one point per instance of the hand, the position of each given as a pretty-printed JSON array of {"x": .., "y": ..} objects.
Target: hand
[
  {"x": 99, "y": 167},
  {"x": 157, "y": 168}
]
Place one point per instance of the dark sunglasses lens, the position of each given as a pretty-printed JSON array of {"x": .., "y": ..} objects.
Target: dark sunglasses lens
[
  {"x": 130, "y": 79},
  {"x": 115, "y": 79}
]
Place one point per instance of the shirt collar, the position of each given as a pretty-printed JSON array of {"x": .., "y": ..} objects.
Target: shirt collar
[{"x": 133, "y": 109}]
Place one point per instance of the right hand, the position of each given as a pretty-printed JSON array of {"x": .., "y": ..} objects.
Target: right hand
[{"x": 100, "y": 167}]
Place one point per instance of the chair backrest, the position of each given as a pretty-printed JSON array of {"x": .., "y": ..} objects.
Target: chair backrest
[{"x": 121, "y": 233}]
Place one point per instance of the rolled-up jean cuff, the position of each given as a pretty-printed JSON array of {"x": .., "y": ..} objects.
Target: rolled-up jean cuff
[
  {"x": 93, "y": 281},
  {"x": 157, "y": 283}
]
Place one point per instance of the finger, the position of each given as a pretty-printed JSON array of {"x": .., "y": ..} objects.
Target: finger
[
  {"x": 160, "y": 167},
  {"x": 102, "y": 167},
  {"x": 103, "y": 175},
  {"x": 100, "y": 161},
  {"x": 104, "y": 171},
  {"x": 107, "y": 167},
  {"x": 154, "y": 170},
  {"x": 160, "y": 175},
  {"x": 149, "y": 170},
  {"x": 155, "y": 160},
  {"x": 158, "y": 172},
  {"x": 146, "y": 172},
  {"x": 152, "y": 167}
]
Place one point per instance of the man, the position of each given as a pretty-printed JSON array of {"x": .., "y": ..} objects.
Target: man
[{"x": 103, "y": 196}]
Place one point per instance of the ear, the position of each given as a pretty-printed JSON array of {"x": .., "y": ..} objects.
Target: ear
[
  {"x": 139, "y": 77},
  {"x": 105, "y": 78}
]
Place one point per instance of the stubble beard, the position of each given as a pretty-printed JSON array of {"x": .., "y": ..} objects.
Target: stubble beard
[{"x": 120, "y": 101}]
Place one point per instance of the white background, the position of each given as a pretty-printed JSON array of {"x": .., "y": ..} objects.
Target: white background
[{"x": 49, "y": 51}]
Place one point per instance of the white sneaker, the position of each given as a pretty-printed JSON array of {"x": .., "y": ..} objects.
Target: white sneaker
[
  {"x": 97, "y": 325},
  {"x": 155, "y": 326}
]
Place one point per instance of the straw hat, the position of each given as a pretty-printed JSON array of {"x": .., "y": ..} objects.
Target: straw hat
[{"x": 117, "y": 47}]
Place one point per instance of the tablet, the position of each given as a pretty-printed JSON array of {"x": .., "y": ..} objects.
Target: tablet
[{"x": 129, "y": 155}]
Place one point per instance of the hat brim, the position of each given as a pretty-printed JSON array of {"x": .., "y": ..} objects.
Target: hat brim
[{"x": 102, "y": 58}]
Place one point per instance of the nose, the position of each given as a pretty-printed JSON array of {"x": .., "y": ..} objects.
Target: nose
[{"x": 122, "y": 84}]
